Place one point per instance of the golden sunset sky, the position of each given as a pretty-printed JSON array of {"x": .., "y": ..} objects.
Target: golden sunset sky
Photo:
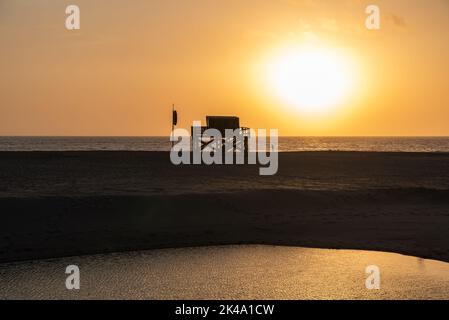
[{"x": 120, "y": 73}]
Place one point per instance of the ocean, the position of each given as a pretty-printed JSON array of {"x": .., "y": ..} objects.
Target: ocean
[{"x": 286, "y": 144}]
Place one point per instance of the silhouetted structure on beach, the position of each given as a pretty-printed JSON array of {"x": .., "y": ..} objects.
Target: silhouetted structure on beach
[{"x": 238, "y": 142}]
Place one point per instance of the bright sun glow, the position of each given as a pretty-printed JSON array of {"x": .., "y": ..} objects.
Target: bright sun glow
[{"x": 311, "y": 80}]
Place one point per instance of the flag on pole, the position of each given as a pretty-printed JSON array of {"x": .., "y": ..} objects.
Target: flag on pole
[
  {"x": 175, "y": 117},
  {"x": 173, "y": 124}
]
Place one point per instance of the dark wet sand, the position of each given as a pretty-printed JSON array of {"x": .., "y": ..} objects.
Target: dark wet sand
[{"x": 55, "y": 204}]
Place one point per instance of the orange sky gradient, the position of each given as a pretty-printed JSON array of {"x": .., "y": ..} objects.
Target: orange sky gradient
[{"x": 131, "y": 60}]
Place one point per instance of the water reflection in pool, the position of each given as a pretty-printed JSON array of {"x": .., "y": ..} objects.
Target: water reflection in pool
[{"x": 230, "y": 272}]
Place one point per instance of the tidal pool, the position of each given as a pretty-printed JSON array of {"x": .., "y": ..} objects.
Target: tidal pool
[{"x": 229, "y": 272}]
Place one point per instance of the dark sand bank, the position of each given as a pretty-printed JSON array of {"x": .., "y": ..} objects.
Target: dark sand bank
[{"x": 72, "y": 203}]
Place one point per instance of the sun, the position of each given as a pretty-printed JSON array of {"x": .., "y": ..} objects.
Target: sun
[{"x": 311, "y": 80}]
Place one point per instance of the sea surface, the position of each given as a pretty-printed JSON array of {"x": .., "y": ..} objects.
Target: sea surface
[
  {"x": 286, "y": 144},
  {"x": 229, "y": 272}
]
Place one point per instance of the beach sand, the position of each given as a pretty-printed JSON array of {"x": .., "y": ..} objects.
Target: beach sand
[{"x": 56, "y": 204}]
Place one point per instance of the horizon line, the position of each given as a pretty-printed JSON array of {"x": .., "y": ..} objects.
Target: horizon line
[{"x": 280, "y": 136}]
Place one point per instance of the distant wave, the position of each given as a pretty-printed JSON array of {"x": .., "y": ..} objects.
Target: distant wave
[{"x": 288, "y": 144}]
